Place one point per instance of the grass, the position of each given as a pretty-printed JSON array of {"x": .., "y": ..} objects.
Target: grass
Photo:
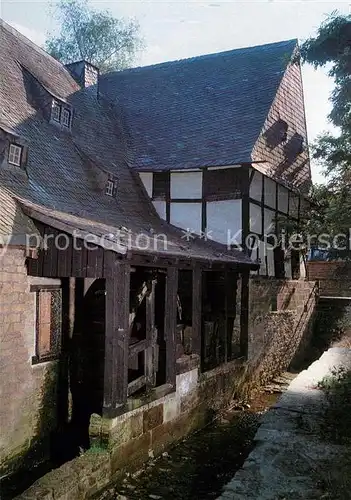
[
  {"x": 337, "y": 428},
  {"x": 337, "y": 387}
]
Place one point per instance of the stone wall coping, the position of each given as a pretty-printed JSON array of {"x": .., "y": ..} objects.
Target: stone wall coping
[{"x": 224, "y": 368}]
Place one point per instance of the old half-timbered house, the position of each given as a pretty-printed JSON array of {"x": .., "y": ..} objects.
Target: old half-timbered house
[{"x": 120, "y": 296}]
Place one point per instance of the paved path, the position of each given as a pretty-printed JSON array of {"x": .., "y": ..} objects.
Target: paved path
[{"x": 289, "y": 452}]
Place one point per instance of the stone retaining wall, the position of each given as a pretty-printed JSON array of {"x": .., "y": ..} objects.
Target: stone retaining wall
[
  {"x": 281, "y": 316},
  {"x": 127, "y": 441}
]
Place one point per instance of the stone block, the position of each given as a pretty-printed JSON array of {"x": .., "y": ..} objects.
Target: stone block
[
  {"x": 93, "y": 470},
  {"x": 189, "y": 401},
  {"x": 63, "y": 482},
  {"x": 131, "y": 455},
  {"x": 186, "y": 382},
  {"x": 153, "y": 417},
  {"x": 125, "y": 430},
  {"x": 171, "y": 409}
]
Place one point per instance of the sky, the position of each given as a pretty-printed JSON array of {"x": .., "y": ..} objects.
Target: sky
[{"x": 185, "y": 28}]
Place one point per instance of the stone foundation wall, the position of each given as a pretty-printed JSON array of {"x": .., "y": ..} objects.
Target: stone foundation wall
[
  {"x": 280, "y": 319},
  {"x": 27, "y": 406},
  {"x": 127, "y": 441}
]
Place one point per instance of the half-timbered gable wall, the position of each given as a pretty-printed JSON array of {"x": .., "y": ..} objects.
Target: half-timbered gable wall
[{"x": 202, "y": 201}]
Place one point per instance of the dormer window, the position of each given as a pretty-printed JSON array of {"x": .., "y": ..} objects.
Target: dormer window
[
  {"x": 66, "y": 117},
  {"x": 56, "y": 111},
  {"x": 111, "y": 187},
  {"x": 15, "y": 155}
]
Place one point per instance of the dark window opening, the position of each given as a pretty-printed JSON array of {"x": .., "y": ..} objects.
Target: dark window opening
[
  {"x": 223, "y": 184},
  {"x": 221, "y": 326},
  {"x": 295, "y": 264},
  {"x": 160, "y": 185},
  {"x": 279, "y": 262},
  {"x": 294, "y": 147},
  {"x": 276, "y": 134},
  {"x": 185, "y": 313}
]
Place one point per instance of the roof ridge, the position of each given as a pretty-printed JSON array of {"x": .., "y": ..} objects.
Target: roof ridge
[{"x": 201, "y": 57}]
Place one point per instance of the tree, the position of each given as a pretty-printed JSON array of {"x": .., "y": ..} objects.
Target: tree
[
  {"x": 95, "y": 36},
  {"x": 331, "y": 48}
]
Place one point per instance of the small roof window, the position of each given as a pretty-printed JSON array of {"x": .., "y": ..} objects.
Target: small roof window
[
  {"x": 56, "y": 111},
  {"x": 111, "y": 187},
  {"x": 66, "y": 117},
  {"x": 15, "y": 155}
]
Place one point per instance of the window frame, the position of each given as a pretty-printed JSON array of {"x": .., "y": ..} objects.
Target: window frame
[
  {"x": 54, "y": 352},
  {"x": 19, "y": 149},
  {"x": 109, "y": 190},
  {"x": 161, "y": 186},
  {"x": 56, "y": 105},
  {"x": 69, "y": 114}
]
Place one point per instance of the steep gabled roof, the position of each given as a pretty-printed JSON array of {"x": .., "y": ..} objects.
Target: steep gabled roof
[
  {"x": 202, "y": 111},
  {"x": 65, "y": 172}
]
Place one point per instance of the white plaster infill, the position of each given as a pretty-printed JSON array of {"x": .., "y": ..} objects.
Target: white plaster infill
[{"x": 289, "y": 447}]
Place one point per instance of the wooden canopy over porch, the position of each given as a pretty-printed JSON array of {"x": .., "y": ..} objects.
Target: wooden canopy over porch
[{"x": 82, "y": 261}]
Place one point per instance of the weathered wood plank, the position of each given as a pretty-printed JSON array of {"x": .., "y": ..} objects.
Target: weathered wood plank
[
  {"x": 151, "y": 336},
  {"x": 171, "y": 323},
  {"x": 77, "y": 260},
  {"x": 197, "y": 311},
  {"x": 138, "y": 347},
  {"x": 244, "y": 317},
  {"x": 135, "y": 385},
  {"x": 50, "y": 253},
  {"x": 117, "y": 331},
  {"x": 231, "y": 284},
  {"x": 245, "y": 204}
]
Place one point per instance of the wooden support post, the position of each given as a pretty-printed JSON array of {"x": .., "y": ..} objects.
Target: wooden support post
[
  {"x": 245, "y": 211},
  {"x": 117, "y": 331},
  {"x": 151, "y": 337},
  {"x": 197, "y": 311},
  {"x": 231, "y": 285},
  {"x": 171, "y": 323},
  {"x": 226, "y": 298},
  {"x": 71, "y": 306},
  {"x": 244, "y": 318}
]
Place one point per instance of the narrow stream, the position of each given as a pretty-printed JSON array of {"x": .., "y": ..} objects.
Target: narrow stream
[{"x": 200, "y": 466}]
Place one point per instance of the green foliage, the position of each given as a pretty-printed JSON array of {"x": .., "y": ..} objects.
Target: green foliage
[
  {"x": 331, "y": 48},
  {"x": 337, "y": 388},
  {"x": 95, "y": 36}
]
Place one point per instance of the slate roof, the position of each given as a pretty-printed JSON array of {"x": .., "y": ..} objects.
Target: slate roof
[
  {"x": 14, "y": 225},
  {"x": 202, "y": 111},
  {"x": 66, "y": 172}
]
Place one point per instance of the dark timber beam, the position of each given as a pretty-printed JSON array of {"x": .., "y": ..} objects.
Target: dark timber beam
[
  {"x": 244, "y": 317},
  {"x": 151, "y": 337},
  {"x": 171, "y": 323},
  {"x": 197, "y": 310},
  {"x": 117, "y": 331},
  {"x": 245, "y": 212}
]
